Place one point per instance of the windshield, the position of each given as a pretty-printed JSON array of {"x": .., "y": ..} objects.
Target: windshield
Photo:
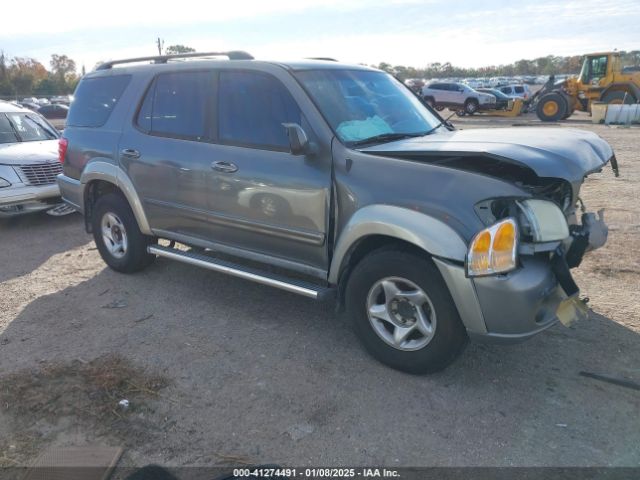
[
  {"x": 24, "y": 127},
  {"x": 361, "y": 105}
]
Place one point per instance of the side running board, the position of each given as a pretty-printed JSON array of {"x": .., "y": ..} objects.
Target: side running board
[{"x": 300, "y": 287}]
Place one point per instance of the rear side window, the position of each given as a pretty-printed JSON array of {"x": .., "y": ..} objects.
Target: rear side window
[
  {"x": 252, "y": 108},
  {"x": 176, "y": 105},
  {"x": 95, "y": 99},
  {"x": 519, "y": 89}
]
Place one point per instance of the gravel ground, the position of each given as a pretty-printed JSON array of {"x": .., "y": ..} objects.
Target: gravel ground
[{"x": 254, "y": 374}]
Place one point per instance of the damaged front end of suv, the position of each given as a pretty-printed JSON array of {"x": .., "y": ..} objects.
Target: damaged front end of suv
[{"x": 515, "y": 279}]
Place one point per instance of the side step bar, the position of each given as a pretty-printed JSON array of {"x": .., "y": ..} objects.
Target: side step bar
[{"x": 300, "y": 287}]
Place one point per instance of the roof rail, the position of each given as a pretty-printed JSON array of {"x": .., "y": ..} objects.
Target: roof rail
[
  {"x": 326, "y": 59},
  {"x": 232, "y": 55}
]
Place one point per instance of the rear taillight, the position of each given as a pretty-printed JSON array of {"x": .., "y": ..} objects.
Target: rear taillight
[{"x": 63, "y": 143}]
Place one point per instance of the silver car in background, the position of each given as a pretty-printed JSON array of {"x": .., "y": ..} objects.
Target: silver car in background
[{"x": 28, "y": 162}]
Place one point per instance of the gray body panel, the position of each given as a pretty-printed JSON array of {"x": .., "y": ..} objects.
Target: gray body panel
[
  {"x": 568, "y": 154},
  {"x": 327, "y": 202}
]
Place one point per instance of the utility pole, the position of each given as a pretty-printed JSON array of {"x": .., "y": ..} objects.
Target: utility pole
[{"x": 160, "y": 43}]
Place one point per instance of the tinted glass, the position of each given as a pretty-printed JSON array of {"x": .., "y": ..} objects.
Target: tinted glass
[
  {"x": 180, "y": 104},
  {"x": 252, "y": 108},
  {"x": 95, "y": 99},
  {"x": 519, "y": 89}
]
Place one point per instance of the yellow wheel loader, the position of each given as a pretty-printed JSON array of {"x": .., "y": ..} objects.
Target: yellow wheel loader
[{"x": 602, "y": 79}]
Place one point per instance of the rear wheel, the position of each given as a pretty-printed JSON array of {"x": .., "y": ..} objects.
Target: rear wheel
[
  {"x": 119, "y": 240},
  {"x": 551, "y": 107},
  {"x": 618, "y": 98},
  {"x": 403, "y": 313}
]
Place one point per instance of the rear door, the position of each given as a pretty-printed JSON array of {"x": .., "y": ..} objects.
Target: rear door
[{"x": 167, "y": 151}]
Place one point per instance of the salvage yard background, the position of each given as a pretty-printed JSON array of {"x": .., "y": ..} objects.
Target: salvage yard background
[{"x": 221, "y": 371}]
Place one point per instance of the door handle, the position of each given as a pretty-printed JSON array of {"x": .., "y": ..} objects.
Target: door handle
[
  {"x": 226, "y": 167},
  {"x": 130, "y": 153}
]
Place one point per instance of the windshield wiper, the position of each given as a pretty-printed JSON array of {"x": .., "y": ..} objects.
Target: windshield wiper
[
  {"x": 385, "y": 137},
  {"x": 442, "y": 122}
]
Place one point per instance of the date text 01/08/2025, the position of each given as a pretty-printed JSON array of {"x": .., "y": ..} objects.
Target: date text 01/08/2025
[{"x": 278, "y": 472}]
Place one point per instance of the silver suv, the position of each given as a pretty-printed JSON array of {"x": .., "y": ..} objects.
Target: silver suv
[
  {"x": 333, "y": 180},
  {"x": 457, "y": 96}
]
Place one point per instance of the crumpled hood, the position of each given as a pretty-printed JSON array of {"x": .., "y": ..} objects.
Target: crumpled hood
[
  {"x": 25, "y": 153},
  {"x": 565, "y": 153}
]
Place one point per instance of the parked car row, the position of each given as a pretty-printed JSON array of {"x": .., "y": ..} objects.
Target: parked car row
[{"x": 60, "y": 99}]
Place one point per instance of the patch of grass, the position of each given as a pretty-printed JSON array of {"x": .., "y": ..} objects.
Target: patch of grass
[{"x": 86, "y": 393}]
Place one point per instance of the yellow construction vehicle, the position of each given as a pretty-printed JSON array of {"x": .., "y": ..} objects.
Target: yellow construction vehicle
[{"x": 602, "y": 78}]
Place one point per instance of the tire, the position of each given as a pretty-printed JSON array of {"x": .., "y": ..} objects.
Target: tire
[
  {"x": 418, "y": 352},
  {"x": 439, "y": 108},
  {"x": 618, "y": 97},
  {"x": 551, "y": 107},
  {"x": 461, "y": 112},
  {"x": 124, "y": 247},
  {"x": 471, "y": 106}
]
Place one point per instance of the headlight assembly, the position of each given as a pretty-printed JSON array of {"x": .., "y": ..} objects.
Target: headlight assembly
[
  {"x": 493, "y": 250},
  {"x": 543, "y": 220}
]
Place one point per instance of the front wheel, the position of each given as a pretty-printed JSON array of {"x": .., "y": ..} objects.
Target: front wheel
[
  {"x": 403, "y": 313},
  {"x": 119, "y": 240},
  {"x": 552, "y": 107}
]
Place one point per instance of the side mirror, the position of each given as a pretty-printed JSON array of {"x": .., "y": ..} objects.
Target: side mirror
[{"x": 298, "y": 140}]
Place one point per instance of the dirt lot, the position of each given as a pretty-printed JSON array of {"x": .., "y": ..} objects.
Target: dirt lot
[{"x": 219, "y": 370}]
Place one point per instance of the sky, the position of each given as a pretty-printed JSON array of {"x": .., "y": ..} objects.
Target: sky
[{"x": 400, "y": 32}]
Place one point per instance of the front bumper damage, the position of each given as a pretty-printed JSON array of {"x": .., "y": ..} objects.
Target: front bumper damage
[{"x": 513, "y": 307}]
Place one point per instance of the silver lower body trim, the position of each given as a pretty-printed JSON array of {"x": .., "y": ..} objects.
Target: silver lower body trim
[{"x": 301, "y": 288}]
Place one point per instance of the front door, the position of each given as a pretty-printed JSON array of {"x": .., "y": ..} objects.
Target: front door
[{"x": 263, "y": 198}]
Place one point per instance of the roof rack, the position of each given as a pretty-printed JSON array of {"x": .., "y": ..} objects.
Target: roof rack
[{"x": 232, "y": 55}]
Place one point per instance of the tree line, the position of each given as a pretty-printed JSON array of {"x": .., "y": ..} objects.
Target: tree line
[
  {"x": 24, "y": 77},
  {"x": 548, "y": 65}
]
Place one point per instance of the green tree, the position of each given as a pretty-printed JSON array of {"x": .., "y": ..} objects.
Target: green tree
[{"x": 63, "y": 70}]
